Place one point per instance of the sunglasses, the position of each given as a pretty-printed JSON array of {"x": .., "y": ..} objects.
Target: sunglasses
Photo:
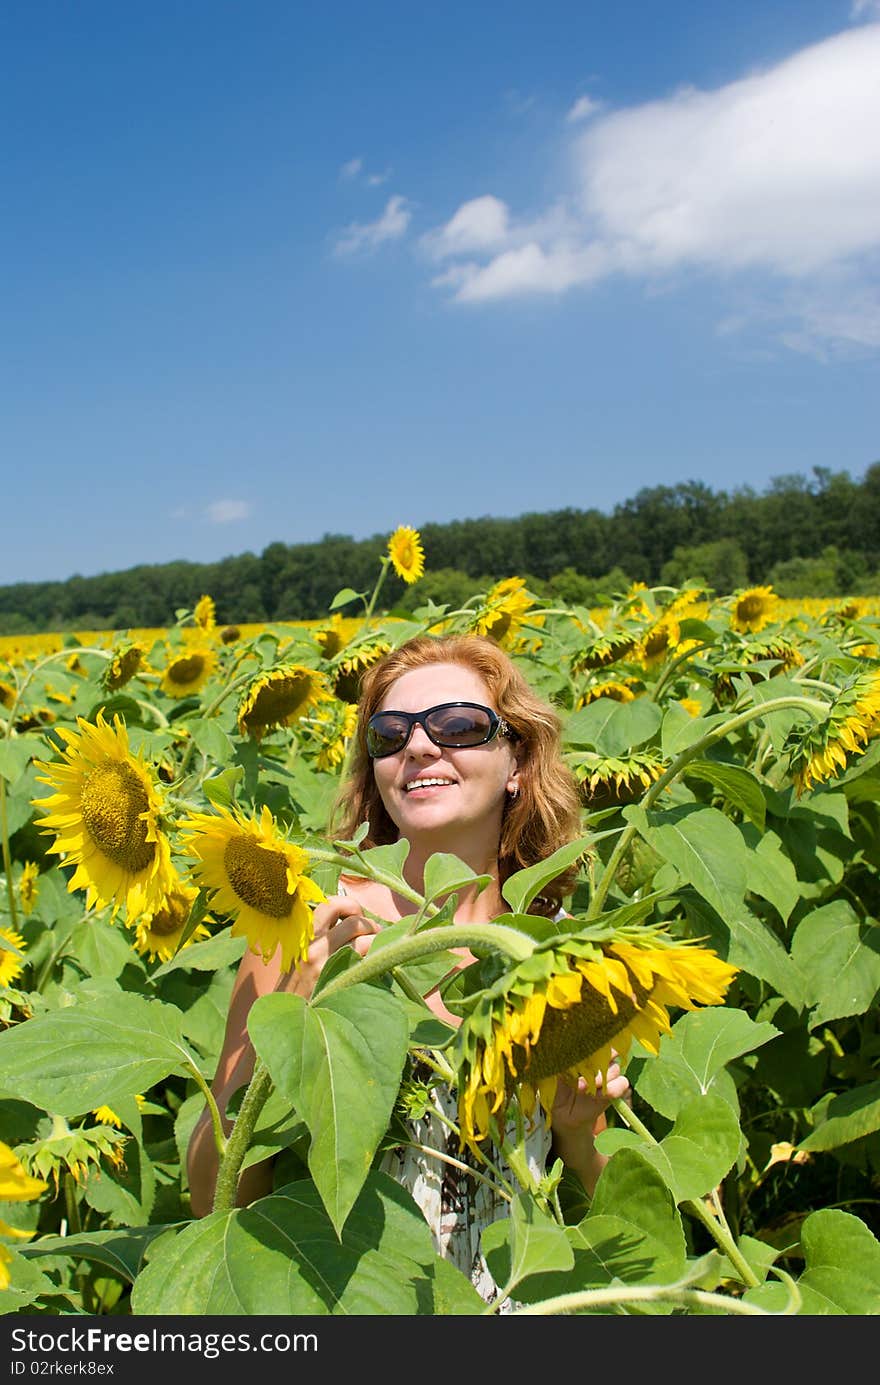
[{"x": 453, "y": 725}]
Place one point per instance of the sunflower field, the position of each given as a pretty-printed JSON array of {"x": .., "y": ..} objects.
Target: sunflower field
[{"x": 165, "y": 801}]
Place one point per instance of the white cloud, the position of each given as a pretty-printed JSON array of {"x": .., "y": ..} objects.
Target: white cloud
[
  {"x": 777, "y": 172},
  {"x": 351, "y": 169},
  {"x": 227, "y": 511},
  {"x": 583, "y": 107},
  {"x": 375, "y": 180},
  {"x": 391, "y": 225},
  {"x": 860, "y": 8}
]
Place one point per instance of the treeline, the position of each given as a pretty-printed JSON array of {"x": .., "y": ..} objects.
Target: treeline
[{"x": 806, "y": 536}]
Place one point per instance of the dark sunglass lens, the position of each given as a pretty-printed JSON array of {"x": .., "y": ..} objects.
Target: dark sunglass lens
[
  {"x": 386, "y": 733},
  {"x": 460, "y": 725}
]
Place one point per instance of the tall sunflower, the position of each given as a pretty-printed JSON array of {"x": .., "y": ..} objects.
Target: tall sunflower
[
  {"x": 205, "y": 613},
  {"x": 256, "y": 876},
  {"x": 822, "y": 751},
  {"x": 28, "y": 887},
  {"x": 406, "y": 553},
  {"x": 158, "y": 932},
  {"x": 603, "y": 650},
  {"x": 16, "y": 1185},
  {"x": 348, "y": 669},
  {"x": 188, "y": 671},
  {"x": 611, "y": 780},
  {"x": 278, "y": 697},
  {"x": 567, "y": 1010},
  {"x": 105, "y": 815}
]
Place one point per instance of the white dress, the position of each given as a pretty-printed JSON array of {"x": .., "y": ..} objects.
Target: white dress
[{"x": 456, "y": 1205}]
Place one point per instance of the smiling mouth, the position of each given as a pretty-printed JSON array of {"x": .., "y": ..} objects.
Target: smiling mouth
[{"x": 427, "y": 784}]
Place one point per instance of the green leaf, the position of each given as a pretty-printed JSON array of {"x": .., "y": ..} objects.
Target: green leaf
[
  {"x": 842, "y": 1269},
  {"x": 839, "y": 958},
  {"x": 343, "y": 597},
  {"x": 211, "y": 740},
  {"x": 390, "y": 860},
  {"x": 445, "y": 873},
  {"x": 526, "y": 1242},
  {"x": 212, "y": 954},
  {"x": 14, "y": 757},
  {"x": 282, "y": 1256},
  {"x": 705, "y": 848},
  {"x": 339, "y": 1062},
  {"x": 769, "y": 871},
  {"x": 848, "y": 1116},
  {"x": 220, "y": 789},
  {"x": 122, "y": 1251},
  {"x": 614, "y": 728},
  {"x": 698, "y": 1152},
  {"x": 693, "y": 1058},
  {"x": 521, "y": 888},
  {"x": 26, "y": 1284},
  {"x": 89, "y": 1055},
  {"x": 739, "y": 788},
  {"x": 632, "y": 1234}
]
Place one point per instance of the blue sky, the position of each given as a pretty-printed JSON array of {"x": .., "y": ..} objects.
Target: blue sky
[{"x": 277, "y": 270}]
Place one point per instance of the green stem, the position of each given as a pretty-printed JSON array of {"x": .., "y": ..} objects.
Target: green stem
[
  {"x": 649, "y": 1293},
  {"x": 7, "y": 856},
  {"x": 385, "y": 561},
  {"x": 240, "y": 1137},
  {"x": 216, "y": 1124},
  {"x": 718, "y": 733},
  {"x": 209, "y": 712},
  {"x": 513, "y": 944},
  {"x": 672, "y": 666}
]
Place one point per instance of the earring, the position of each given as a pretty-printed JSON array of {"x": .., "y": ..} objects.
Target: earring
[{"x": 514, "y": 791}]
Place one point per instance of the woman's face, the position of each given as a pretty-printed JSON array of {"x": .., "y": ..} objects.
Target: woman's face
[{"x": 433, "y": 791}]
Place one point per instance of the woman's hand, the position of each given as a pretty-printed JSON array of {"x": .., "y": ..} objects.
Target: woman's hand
[
  {"x": 338, "y": 923},
  {"x": 578, "y": 1116}
]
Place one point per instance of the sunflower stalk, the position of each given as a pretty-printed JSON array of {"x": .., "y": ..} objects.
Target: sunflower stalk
[
  {"x": 238, "y": 1143},
  {"x": 518, "y": 946},
  {"x": 7, "y": 856},
  {"x": 716, "y": 1225},
  {"x": 209, "y": 712},
  {"x": 814, "y": 706},
  {"x": 383, "y": 572}
]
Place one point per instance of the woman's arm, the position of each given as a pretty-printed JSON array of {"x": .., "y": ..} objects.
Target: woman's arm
[{"x": 338, "y": 922}]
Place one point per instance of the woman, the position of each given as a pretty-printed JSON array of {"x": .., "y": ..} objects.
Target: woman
[{"x": 455, "y": 753}]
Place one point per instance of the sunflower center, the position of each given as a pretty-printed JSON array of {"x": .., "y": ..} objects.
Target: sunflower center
[
  {"x": 184, "y": 669},
  {"x": 112, "y": 802},
  {"x": 171, "y": 918},
  {"x": 569, "y": 1036},
  {"x": 258, "y": 877},
  {"x": 278, "y": 700}
]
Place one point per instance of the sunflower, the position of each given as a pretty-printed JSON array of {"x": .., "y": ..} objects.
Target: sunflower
[
  {"x": 7, "y": 694},
  {"x": 659, "y": 641},
  {"x": 821, "y": 751},
  {"x": 15, "y": 1186},
  {"x": 406, "y": 553},
  {"x": 205, "y": 613},
  {"x": 608, "y": 781},
  {"x": 188, "y": 672},
  {"x": 604, "y": 650},
  {"x": 335, "y": 733},
  {"x": 753, "y": 608},
  {"x": 348, "y": 671},
  {"x": 257, "y": 877},
  {"x": 125, "y": 661},
  {"x": 505, "y": 607},
  {"x": 229, "y": 634},
  {"x": 619, "y": 690},
  {"x": 11, "y": 965},
  {"x": 158, "y": 933},
  {"x": 105, "y": 815},
  {"x": 769, "y": 649},
  {"x": 330, "y": 636},
  {"x": 567, "y": 1011},
  {"x": 278, "y": 697},
  {"x": 28, "y": 888}
]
